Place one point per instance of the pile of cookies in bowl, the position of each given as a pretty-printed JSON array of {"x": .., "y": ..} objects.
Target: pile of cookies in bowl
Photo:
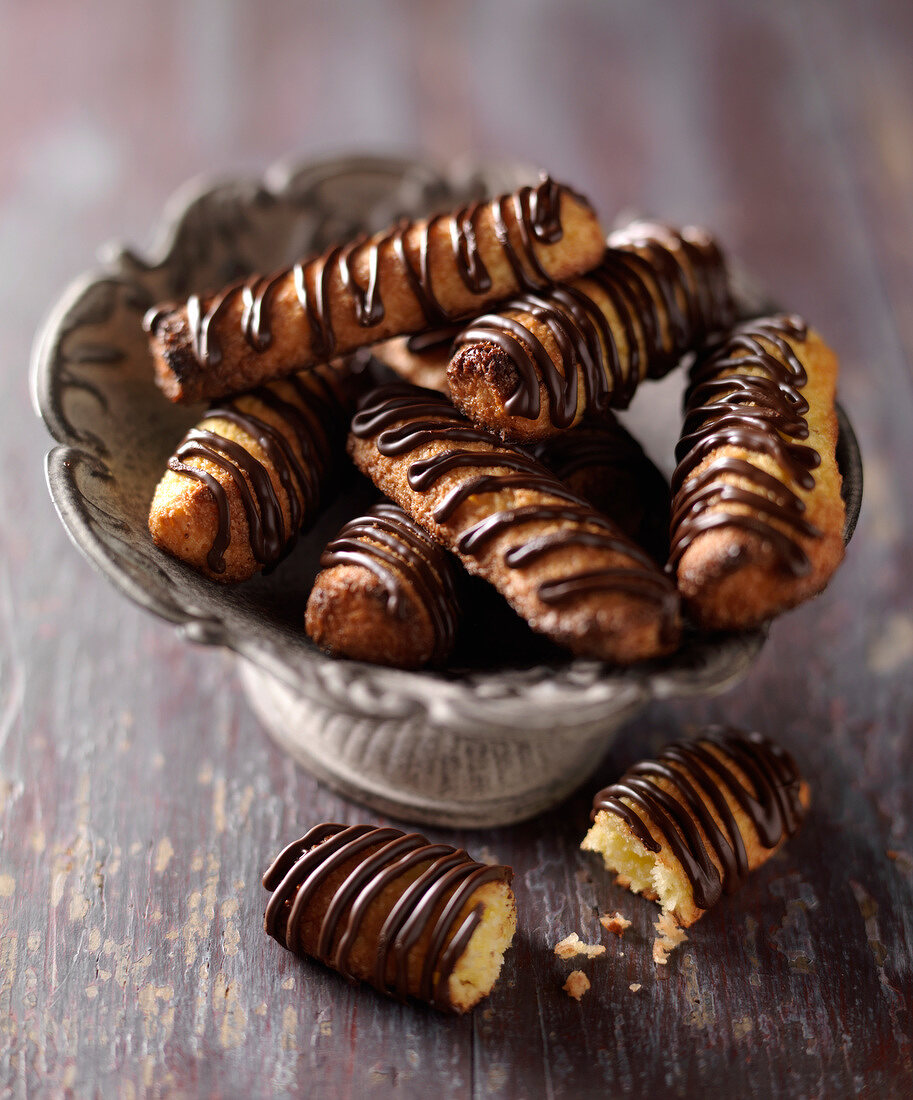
[{"x": 470, "y": 364}]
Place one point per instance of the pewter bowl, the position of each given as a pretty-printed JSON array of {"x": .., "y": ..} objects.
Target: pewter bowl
[{"x": 494, "y": 739}]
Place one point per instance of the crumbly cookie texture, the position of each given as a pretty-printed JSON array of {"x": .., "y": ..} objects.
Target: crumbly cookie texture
[
  {"x": 402, "y": 280},
  {"x": 670, "y": 936},
  {"x": 569, "y": 571},
  {"x": 735, "y": 798},
  {"x": 576, "y": 985},
  {"x": 573, "y": 945},
  {"x": 757, "y": 515},
  {"x": 384, "y": 906},
  {"x": 615, "y": 923}
]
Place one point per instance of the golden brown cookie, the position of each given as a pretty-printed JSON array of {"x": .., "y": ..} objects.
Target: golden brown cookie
[
  {"x": 385, "y": 593},
  {"x": 386, "y": 907},
  {"x": 604, "y": 464},
  {"x": 565, "y": 568},
  {"x": 546, "y": 359},
  {"x": 757, "y": 515},
  {"x": 253, "y": 473},
  {"x": 687, "y": 827},
  {"x": 410, "y": 277}
]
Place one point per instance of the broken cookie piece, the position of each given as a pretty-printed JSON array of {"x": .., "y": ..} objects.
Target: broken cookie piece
[
  {"x": 689, "y": 826},
  {"x": 573, "y": 945},
  {"x": 670, "y": 936},
  {"x": 576, "y": 985},
  {"x": 615, "y": 922}
]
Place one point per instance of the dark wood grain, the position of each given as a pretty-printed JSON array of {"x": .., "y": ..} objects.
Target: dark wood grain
[{"x": 139, "y": 799}]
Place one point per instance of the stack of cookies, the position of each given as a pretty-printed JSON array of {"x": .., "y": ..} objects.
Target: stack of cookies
[{"x": 512, "y": 329}]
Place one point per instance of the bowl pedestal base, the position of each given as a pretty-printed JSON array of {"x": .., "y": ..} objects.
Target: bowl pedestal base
[{"x": 488, "y": 777}]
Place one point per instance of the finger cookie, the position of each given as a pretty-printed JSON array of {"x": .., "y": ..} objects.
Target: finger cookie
[
  {"x": 253, "y": 473},
  {"x": 689, "y": 826},
  {"x": 604, "y": 464},
  {"x": 385, "y": 593},
  {"x": 757, "y": 515},
  {"x": 566, "y": 569},
  {"x": 547, "y": 358},
  {"x": 383, "y": 906},
  {"x": 414, "y": 275}
]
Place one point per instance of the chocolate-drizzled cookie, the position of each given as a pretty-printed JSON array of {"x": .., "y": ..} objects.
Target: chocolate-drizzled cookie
[
  {"x": 546, "y": 359},
  {"x": 415, "y": 275},
  {"x": 604, "y": 464},
  {"x": 565, "y": 568},
  {"x": 687, "y": 827},
  {"x": 757, "y": 515},
  {"x": 385, "y": 593},
  {"x": 386, "y": 907},
  {"x": 253, "y": 473}
]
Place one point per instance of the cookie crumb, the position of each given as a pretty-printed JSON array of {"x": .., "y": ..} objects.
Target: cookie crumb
[
  {"x": 670, "y": 936},
  {"x": 668, "y": 927},
  {"x": 615, "y": 922},
  {"x": 573, "y": 945},
  {"x": 576, "y": 985},
  {"x": 634, "y": 986},
  {"x": 660, "y": 953}
]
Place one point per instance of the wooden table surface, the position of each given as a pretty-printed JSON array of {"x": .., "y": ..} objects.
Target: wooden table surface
[{"x": 139, "y": 798}]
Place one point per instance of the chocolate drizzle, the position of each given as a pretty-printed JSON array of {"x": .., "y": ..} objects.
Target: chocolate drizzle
[
  {"x": 679, "y": 815},
  {"x": 434, "y": 341},
  {"x": 315, "y": 420},
  {"x": 745, "y": 392},
  {"x": 397, "y": 551},
  {"x": 521, "y": 220},
  {"x": 653, "y": 277},
  {"x": 606, "y": 465},
  {"x": 314, "y": 912},
  {"x": 607, "y": 447},
  {"x": 404, "y": 418}
]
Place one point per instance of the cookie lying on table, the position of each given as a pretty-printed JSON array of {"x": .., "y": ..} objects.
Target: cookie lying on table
[
  {"x": 386, "y": 907},
  {"x": 687, "y": 827}
]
